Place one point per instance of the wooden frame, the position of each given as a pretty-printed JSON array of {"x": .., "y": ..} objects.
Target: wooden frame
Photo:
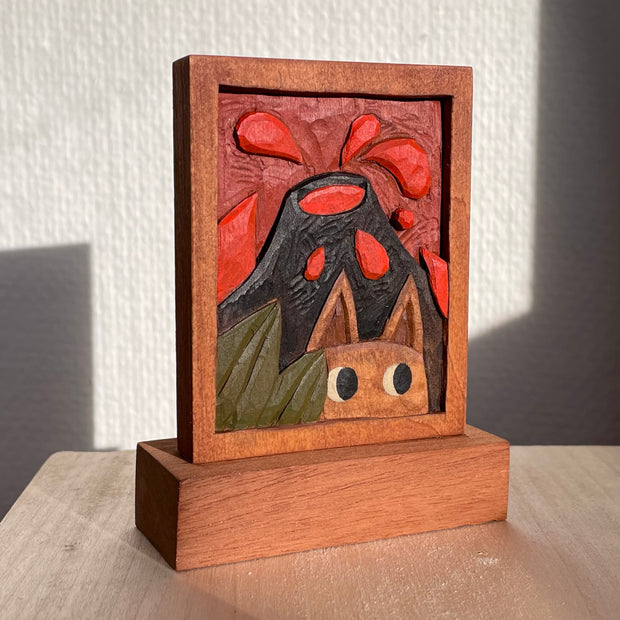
[{"x": 197, "y": 82}]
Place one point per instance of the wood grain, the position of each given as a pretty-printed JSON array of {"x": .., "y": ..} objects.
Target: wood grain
[
  {"x": 198, "y": 83},
  {"x": 359, "y": 241},
  {"x": 70, "y": 550},
  {"x": 399, "y": 344},
  {"x": 320, "y": 124},
  {"x": 321, "y": 498},
  {"x": 337, "y": 323}
]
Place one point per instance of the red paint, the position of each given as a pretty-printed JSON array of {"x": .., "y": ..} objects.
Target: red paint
[
  {"x": 401, "y": 219},
  {"x": 320, "y": 126},
  {"x": 236, "y": 251},
  {"x": 407, "y": 161},
  {"x": 438, "y": 278},
  {"x": 371, "y": 255},
  {"x": 262, "y": 133},
  {"x": 332, "y": 199},
  {"x": 363, "y": 129},
  {"x": 315, "y": 264}
]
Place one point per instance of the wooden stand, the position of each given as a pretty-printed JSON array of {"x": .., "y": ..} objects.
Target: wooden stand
[{"x": 228, "y": 511}]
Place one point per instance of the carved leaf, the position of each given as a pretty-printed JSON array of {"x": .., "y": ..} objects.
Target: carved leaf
[
  {"x": 250, "y": 391},
  {"x": 252, "y": 373},
  {"x": 302, "y": 389}
]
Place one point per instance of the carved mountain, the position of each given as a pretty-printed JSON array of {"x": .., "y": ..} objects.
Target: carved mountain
[{"x": 279, "y": 274}]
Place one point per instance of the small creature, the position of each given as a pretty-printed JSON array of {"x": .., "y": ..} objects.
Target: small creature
[{"x": 378, "y": 378}]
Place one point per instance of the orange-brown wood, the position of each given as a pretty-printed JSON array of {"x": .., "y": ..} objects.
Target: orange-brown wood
[
  {"x": 214, "y": 513},
  {"x": 373, "y": 361},
  {"x": 337, "y": 323},
  {"x": 198, "y": 80}
]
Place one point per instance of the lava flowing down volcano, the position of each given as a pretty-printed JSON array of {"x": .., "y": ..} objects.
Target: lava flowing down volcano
[{"x": 329, "y": 224}]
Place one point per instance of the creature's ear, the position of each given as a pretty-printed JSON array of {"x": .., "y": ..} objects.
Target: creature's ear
[
  {"x": 337, "y": 323},
  {"x": 405, "y": 323}
]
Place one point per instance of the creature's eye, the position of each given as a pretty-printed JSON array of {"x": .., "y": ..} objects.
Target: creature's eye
[
  {"x": 397, "y": 379},
  {"x": 341, "y": 383}
]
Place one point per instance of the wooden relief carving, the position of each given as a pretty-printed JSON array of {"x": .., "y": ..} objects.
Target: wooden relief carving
[
  {"x": 331, "y": 290},
  {"x": 321, "y": 226},
  {"x": 321, "y": 248}
]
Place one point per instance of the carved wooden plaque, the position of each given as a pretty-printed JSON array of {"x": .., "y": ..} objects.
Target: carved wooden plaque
[{"x": 322, "y": 214}]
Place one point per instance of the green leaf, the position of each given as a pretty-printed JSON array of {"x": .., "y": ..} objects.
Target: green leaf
[
  {"x": 301, "y": 392},
  {"x": 250, "y": 391},
  {"x": 251, "y": 371},
  {"x": 231, "y": 344}
]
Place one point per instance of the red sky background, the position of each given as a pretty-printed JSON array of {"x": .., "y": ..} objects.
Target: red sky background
[{"x": 320, "y": 126}]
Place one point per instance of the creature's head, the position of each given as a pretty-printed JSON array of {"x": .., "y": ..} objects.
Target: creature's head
[{"x": 384, "y": 377}]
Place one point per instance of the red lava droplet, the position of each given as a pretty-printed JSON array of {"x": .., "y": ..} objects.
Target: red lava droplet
[
  {"x": 332, "y": 199},
  {"x": 236, "y": 250},
  {"x": 371, "y": 255},
  {"x": 315, "y": 264},
  {"x": 438, "y": 278},
  {"x": 363, "y": 129},
  {"x": 401, "y": 219},
  {"x": 407, "y": 161},
  {"x": 262, "y": 133}
]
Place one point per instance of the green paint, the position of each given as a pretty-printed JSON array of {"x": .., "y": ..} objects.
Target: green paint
[{"x": 251, "y": 393}]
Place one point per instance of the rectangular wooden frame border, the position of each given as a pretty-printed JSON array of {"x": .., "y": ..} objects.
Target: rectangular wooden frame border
[{"x": 197, "y": 82}]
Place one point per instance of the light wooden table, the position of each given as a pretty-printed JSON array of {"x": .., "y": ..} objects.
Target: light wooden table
[{"x": 69, "y": 549}]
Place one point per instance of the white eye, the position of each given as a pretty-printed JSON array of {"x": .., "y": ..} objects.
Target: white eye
[
  {"x": 397, "y": 379},
  {"x": 341, "y": 383}
]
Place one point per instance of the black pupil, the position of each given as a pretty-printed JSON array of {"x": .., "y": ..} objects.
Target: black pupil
[
  {"x": 402, "y": 378},
  {"x": 346, "y": 383}
]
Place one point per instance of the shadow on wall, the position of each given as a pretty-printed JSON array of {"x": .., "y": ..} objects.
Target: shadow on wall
[
  {"x": 554, "y": 376},
  {"x": 45, "y": 360}
]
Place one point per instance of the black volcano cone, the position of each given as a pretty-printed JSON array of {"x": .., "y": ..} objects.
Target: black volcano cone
[{"x": 280, "y": 274}]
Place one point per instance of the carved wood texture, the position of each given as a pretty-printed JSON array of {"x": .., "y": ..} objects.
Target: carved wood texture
[{"x": 200, "y": 84}]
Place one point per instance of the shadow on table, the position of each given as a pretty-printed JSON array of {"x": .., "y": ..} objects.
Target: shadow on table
[
  {"x": 45, "y": 360},
  {"x": 552, "y": 376},
  {"x": 429, "y": 573}
]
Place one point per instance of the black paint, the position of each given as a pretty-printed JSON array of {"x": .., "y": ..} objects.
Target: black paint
[
  {"x": 279, "y": 274},
  {"x": 402, "y": 378},
  {"x": 346, "y": 383}
]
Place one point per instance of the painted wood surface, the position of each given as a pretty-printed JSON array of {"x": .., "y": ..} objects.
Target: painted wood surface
[
  {"x": 316, "y": 214},
  {"x": 200, "y": 82},
  {"x": 438, "y": 278},
  {"x": 70, "y": 550},
  {"x": 333, "y": 133},
  {"x": 382, "y": 378},
  {"x": 359, "y": 241}
]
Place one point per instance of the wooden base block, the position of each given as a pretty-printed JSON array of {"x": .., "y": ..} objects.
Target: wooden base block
[{"x": 228, "y": 511}]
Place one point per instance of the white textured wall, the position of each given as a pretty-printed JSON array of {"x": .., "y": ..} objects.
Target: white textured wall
[{"x": 86, "y": 179}]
